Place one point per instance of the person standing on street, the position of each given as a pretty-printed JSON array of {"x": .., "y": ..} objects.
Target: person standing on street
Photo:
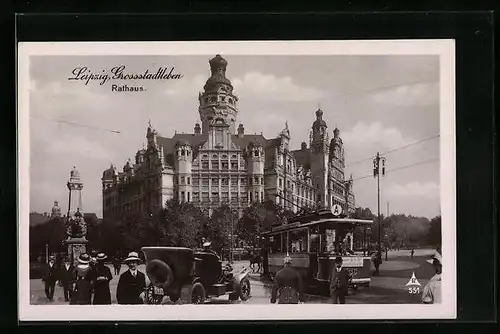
[
  {"x": 50, "y": 278},
  {"x": 82, "y": 286},
  {"x": 377, "y": 261},
  {"x": 132, "y": 283},
  {"x": 412, "y": 253},
  {"x": 117, "y": 264},
  {"x": 432, "y": 291},
  {"x": 101, "y": 276},
  {"x": 288, "y": 287},
  {"x": 339, "y": 284},
  {"x": 66, "y": 273}
]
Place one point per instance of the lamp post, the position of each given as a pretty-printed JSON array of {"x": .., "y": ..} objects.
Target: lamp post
[{"x": 377, "y": 169}]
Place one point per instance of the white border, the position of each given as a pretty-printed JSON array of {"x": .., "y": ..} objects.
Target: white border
[{"x": 446, "y": 310}]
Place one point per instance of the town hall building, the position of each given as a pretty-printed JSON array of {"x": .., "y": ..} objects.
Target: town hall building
[{"x": 220, "y": 164}]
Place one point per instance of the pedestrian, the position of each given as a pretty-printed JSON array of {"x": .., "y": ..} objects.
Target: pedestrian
[
  {"x": 132, "y": 283},
  {"x": 339, "y": 283},
  {"x": 377, "y": 261},
  {"x": 288, "y": 287},
  {"x": 66, "y": 273},
  {"x": 412, "y": 252},
  {"x": 432, "y": 291},
  {"x": 101, "y": 276},
  {"x": 117, "y": 264},
  {"x": 50, "y": 278},
  {"x": 82, "y": 282}
]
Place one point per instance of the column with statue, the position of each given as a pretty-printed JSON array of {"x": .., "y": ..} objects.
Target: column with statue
[{"x": 76, "y": 227}]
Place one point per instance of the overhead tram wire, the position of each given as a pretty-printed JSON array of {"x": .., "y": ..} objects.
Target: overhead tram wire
[
  {"x": 75, "y": 124},
  {"x": 395, "y": 149},
  {"x": 400, "y": 168}
]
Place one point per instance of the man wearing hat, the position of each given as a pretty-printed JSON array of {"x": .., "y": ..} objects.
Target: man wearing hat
[
  {"x": 339, "y": 284},
  {"x": 50, "y": 277},
  {"x": 82, "y": 285},
  {"x": 101, "y": 276},
  {"x": 66, "y": 273},
  {"x": 288, "y": 288},
  {"x": 132, "y": 283},
  {"x": 432, "y": 291}
]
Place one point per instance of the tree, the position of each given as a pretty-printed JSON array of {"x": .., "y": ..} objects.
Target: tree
[
  {"x": 220, "y": 226},
  {"x": 434, "y": 236}
]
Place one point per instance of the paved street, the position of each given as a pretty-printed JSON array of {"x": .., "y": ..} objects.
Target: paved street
[{"x": 389, "y": 287}]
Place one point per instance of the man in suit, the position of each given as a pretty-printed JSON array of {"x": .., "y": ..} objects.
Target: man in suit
[
  {"x": 66, "y": 273},
  {"x": 339, "y": 284},
  {"x": 288, "y": 287},
  {"x": 132, "y": 283},
  {"x": 50, "y": 278}
]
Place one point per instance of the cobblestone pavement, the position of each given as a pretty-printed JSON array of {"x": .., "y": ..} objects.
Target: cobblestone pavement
[{"x": 388, "y": 288}]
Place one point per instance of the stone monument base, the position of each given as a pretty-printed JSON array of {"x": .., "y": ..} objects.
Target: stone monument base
[{"x": 76, "y": 246}]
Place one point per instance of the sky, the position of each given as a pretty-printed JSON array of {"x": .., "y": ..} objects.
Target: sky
[{"x": 379, "y": 103}]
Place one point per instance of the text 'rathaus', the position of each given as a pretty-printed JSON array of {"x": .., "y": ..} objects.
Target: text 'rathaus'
[{"x": 220, "y": 164}]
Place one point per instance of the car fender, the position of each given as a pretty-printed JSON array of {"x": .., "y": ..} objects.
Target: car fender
[{"x": 240, "y": 276}]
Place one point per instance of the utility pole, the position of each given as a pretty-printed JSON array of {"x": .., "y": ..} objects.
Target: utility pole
[
  {"x": 231, "y": 240},
  {"x": 377, "y": 169}
]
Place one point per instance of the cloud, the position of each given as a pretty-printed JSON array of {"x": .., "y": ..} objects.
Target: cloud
[
  {"x": 77, "y": 145},
  {"x": 428, "y": 190},
  {"x": 418, "y": 94},
  {"x": 271, "y": 87},
  {"x": 186, "y": 88},
  {"x": 363, "y": 135}
]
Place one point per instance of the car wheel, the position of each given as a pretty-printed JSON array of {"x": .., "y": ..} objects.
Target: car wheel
[
  {"x": 152, "y": 297},
  {"x": 245, "y": 289},
  {"x": 197, "y": 294}
]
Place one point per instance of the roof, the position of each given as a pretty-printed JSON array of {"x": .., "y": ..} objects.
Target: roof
[
  {"x": 168, "y": 144},
  {"x": 302, "y": 157},
  {"x": 247, "y": 139}
]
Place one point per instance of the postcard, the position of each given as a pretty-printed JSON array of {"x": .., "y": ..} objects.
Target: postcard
[{"x": 243, "y": 180}]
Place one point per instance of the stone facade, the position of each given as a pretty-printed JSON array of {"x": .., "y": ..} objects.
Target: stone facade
[{"x": 220, "y": 164}]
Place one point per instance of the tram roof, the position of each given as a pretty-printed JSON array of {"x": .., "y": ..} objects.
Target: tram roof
[{"x": 300, "y": 222}]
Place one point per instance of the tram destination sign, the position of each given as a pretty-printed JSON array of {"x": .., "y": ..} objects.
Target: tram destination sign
[{"x": 354, "y": 261}]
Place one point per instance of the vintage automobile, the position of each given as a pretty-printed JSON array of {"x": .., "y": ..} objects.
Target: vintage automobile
[{"x": 190, "y": 276}]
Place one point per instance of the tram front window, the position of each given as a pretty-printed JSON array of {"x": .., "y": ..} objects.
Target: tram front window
[{"x": 298, "y": 241}]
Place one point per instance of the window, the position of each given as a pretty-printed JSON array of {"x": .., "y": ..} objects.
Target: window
[
  {"x": 204, "y": 196},
  {"x": 231, "y": 100},
  {"x": 182, "y": 179},
  {"x": 215, "y": 164},
  {"x": 215, "y": 197},
  {"x": 204, "y": 165},
  {"x": 262, "y": 181},
  {"x": 234, "y": 196},
  {"x": 189, "y": 197},
  {"x": 189, "y": 180},
  {"x": 206, "y": 100},
  {"x": 225, "y": 181},
  {"x": 225, "y": 166},
  {"x": 183, "y": 152},
  {"x": 256, "y": 196},
  {"x": 262, "y": 196},
  {"x": 243, "y": 196},
  {"x": 196, "y": 182},
  {"x": 281, "y": 182},
  {"x": 234, "y": 165},
  {"x": 225, "y": 197},
  {"x": 196, "y": 196},
  {"x": 243, "y": 181},
  {"x": 256, "y": 153},
  {"x": 223, "y": 98},
  {"x": 204, "y": 182},
  {"x": 182, "y": 196},
  {"x": 215, "y": 182},
  {"x": 251, "y": 197}
]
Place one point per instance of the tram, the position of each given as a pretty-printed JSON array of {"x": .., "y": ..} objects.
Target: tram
[{"x": 313, "y": 241}]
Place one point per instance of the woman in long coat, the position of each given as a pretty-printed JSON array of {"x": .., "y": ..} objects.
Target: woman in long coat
[
  {"x": 82, "y": 290},
  {"x": 101, "y": 278}
]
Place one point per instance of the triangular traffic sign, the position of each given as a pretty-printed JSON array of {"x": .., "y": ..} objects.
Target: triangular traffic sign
[{"x": 413, "y": 281}]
